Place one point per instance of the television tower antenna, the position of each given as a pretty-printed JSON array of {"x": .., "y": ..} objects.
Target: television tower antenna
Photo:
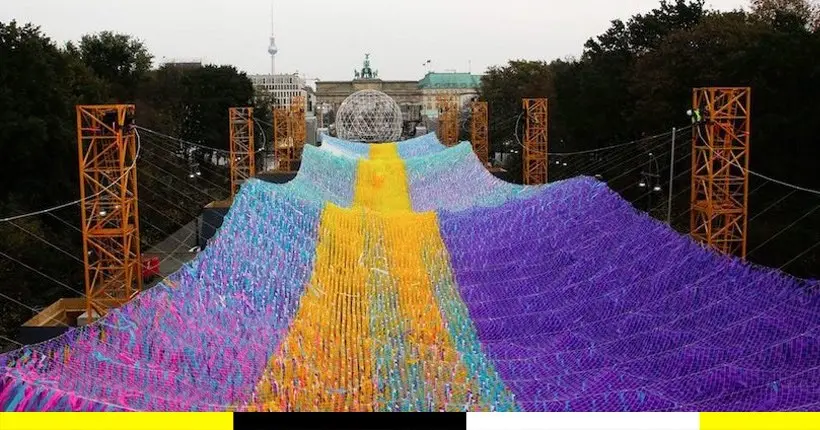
[{"x": 272, "y": 49}]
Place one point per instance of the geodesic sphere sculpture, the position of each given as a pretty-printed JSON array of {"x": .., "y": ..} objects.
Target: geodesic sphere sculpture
[{"x": 369, "y": 116}]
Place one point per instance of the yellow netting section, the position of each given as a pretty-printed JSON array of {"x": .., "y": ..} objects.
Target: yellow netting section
[
  {"x": 381, "y": 182},
  {"x": 369, "y": 334}
]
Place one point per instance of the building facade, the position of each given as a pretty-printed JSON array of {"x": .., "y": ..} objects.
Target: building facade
[
  {"x": 283, "y": 88},
  {"x": 416, "y": 98},
  {"x": 462, "y": 85}
]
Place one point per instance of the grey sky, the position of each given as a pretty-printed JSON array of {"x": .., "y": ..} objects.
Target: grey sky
[{"x": 327, "y": 38}]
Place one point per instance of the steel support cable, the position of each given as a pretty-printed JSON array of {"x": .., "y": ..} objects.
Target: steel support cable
[
  {"x": 757, "y": 215},
  {"x": 174, "y": 189},
  {"x": 160, "y": 144},
  {"x": 589, "y": 166},
  {"x": 751, "y": 193},
  {"x": 785, "y": 184},
  {"x": 684, "y": 190},
  {"x": 142, "y": 239},
  {"x": 598, "y": 164},
  {"x": 799, "y": 256},
  {"x": 176, "y": 205},
  {"x": 630, "y": 171},
  {"x": 654, "y": 146},
  {"x": 783, "y": 230},
  {"x": 664, "y": 153},
  {"x": 632, "y": 142},
  {"x": 39, "y": 272},
  {"x": 518, "y": 139},
  {"x": 156, "y": 165},
  {"x": 264, "y": 136},
  {"x": 10, "y": 340},
  {"x": 78, "y": 260},
  {"x": 176, "y": 139},
  {"x": 185, "y": 211},
  {"x": 607, "y": 165},
  {"x": 494, "y": 123},
  {"x": 206, "y": 165},
  {"x": 42, "y": 239},
  {"x": 103, "y": 190},
  {"x": 179, "y": 192},
  {"x": 212, "y": 169},
  {"x": 188, "y": 180},
  {"x": 794, "y": 188},
  {"x": 760, "y": 175}
]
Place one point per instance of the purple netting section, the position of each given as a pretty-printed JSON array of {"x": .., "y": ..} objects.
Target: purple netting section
[
  {"x": 198, "y": 341},
  {"x": 585, "y": 304},
  {"x": 454, "y": 179},
  {"x": 419, "y": 146}
]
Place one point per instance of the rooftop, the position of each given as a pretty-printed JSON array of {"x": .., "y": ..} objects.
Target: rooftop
[{"x": 450, "y": 80}]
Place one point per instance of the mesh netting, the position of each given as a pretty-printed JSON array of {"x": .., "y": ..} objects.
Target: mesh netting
[
  {"x": 369, "y": 116},
  {"x": 336, "y": 292},
  {"x": 199, "y": 340},
  {"x": 413, "y": 147},
  {"x": 455, "y": 180},
  {"x": 418, "y": 146},
  {"x": 584, "y": 304},
  {"x": 344, "y": 147}
]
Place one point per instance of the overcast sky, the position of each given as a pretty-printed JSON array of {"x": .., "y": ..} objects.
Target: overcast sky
[{"x": 327, "y": 39}]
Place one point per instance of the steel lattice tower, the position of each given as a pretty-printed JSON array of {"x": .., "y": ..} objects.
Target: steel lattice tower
[
  {"x": 720, "y": 168},
  {"x": 282, "y": 140},
  {"x": 298, "y": 128},
  {"x": 107, "y": 154},
  {"x": 241, "y": 146},
  {"x": 479, "y": 131},
  {"x": 448, "y": 119},
  {"x": 535, "y": 141}
]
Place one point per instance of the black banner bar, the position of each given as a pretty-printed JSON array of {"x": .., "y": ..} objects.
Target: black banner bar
[{"x": 350, "y": 421}]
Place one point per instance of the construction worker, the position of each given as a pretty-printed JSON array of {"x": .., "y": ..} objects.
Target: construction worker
[{"x": 695, "y": 116}]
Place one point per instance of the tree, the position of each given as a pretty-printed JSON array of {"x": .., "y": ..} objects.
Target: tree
[
  {"x": 209, "y": 92},
  {"x": 503, "y": 88},
  {"x": 118, "y": 59},
  {"x": 780, "y": 13},
  {"x": 39, "y": 86}
]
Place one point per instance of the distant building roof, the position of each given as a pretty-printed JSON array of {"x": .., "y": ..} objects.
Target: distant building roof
[
  {"x": 450, "y": 80},
  {"x": 183, "y": 64}
]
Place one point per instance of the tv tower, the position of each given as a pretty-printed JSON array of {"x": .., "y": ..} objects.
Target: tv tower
[{"x": 272, "y": 49}]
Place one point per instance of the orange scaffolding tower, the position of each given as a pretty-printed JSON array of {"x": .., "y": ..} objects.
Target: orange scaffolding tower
[
  {"x": 107, "y": 154},
  {"x": 282, "y": 139},
  {"x": 479, "y": 131},
  {"x": 720, "y": 168},
  {"x": 242, "y": 154},
  {"x": 447, "y": 119},
  {"x": 535, "y": 141},
  {"x": 299, "y": 128}
]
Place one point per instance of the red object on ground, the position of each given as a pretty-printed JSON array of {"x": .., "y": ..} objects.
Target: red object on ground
[{"x": 150, "y": 267}]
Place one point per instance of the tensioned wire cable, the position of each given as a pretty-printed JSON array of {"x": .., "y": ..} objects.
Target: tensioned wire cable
[{"x": 103, "y": 190}]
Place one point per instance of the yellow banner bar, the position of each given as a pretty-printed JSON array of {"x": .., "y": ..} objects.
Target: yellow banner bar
[
  {"x": 759, "y": 421},
  {"x": 116, "y": 420}
]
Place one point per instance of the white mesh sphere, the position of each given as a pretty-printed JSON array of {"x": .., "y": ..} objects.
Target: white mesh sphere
[{"x": 369, "y": 116}]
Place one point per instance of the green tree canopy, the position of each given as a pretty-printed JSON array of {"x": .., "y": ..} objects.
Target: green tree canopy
[{"x": 118, "y": 59}]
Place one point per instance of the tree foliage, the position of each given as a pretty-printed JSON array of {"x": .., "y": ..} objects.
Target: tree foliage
[
  {"x": 40, "y": 84},
  {"x": 636, "y": 79},
  {"x": 118, "y": 59}
]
